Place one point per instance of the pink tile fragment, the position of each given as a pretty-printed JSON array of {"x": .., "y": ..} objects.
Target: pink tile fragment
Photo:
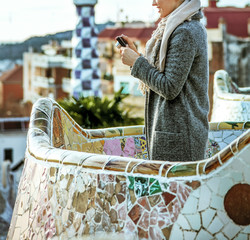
[
  {"x": 153, "y": 217},
  {"x": 144, "y": 202},
  {"x": 173, "y": 187},
  {"x": 167, "y": 197},
  {"x": 174, "y": 210},
  {"x": 183, "y": 194},
  {"x": 122, "y": 212},
  {"x": 113, "y": 147},
  {"x": 129, "y": 149},
  {"x": 135, "y": 213},
  {"x": 144, "y": 222},
  {"x": 129, "y": 226},
  {"x": 155, "y": 233}
]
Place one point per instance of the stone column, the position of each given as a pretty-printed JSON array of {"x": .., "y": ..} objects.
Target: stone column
[{"x": 86, "y": 76}]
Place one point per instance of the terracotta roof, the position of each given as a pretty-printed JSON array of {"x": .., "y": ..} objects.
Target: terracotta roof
[
  {"x": 134, "y": 33},
  {"x": 227, "y": 9},
  {"x": 14, "y": 75},
  {"x": 236, "y": 19},
  {"x": 14, "y": 123}
]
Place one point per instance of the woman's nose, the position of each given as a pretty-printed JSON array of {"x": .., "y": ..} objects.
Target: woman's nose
[{"x": 154, "y": 3}]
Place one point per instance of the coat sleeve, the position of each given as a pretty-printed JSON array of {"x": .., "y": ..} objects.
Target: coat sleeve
[{"x": 181, "y": 52}]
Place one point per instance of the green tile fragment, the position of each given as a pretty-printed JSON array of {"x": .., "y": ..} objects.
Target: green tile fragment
[
  {"x": 155, "y": 188},
  {"x": 141, "y": 186},
  {"x": 131, "y": 182},
  {"x": 151, "y": 180}
]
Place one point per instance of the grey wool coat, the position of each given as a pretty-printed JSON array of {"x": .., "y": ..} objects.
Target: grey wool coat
[{"x": 177, "y": 105}]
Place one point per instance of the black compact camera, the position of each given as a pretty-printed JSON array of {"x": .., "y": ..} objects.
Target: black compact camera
[{"x": 120, "y": 42}]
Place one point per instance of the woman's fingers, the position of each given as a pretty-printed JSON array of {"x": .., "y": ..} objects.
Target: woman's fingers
[
  {"x": 129, "y": 41},
  {"x": 128, "y": 56},
  {"x": 126, "y": 38}
]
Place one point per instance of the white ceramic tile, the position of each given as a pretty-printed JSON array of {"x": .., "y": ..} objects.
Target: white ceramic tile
[
  {"x": 17, "y": 233},
  {"x": 63, "y": 183},
  {"x": 225, "y": 185},
  {"x": 205, "y": 196},
  {"x": 80, "y": 185},
  {"x": 238, "y": 133},
  {"x": 210, "y": 135},
  {"x": 65, "y": 215},
  {"x": 223, "y": 217},
  {"x": 182, "y": 221},
  {"x": 237, "y": 177},
  {"x": 217, "y": 203},
  {"x": 24, "y": 220},
  {"x": 196, "y": 193},
  {"x": 190, "y": 205},
  {"x": 204, "y": 235},
  {"x": 241, "y": 237},
  {"x": 217, "y": 134},
  {"x": 246, "y": 176},
  {"x": 194, "y": 221},
  {"x": 217, "y": 140},
  {"x": 213, "y": 184},
  {"x": 215, "y": 226},
  {"x": 245, "y": 153},
  {"x": 220, "y": 236},
  {"x": 176, "y": 233},
  {"x": 229, "y": 139},
  {"x": 222, "y": 145},
  {"x": 56, "y": 238},
  {"x": 207, "y": 217},
  {"x": 246, "y": 229},
  {"x": 71, "y": 232},
  {"x": 189, "y": 235},
  {"x": 226, "y": 133},
  {"x": 90, "y": 214},
  {"x": 231, "y": 230}
]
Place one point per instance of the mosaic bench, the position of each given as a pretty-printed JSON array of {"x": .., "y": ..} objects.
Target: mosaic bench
[
  {"x": 98, "y": 184},
  {"x": 230, "y": 102}
]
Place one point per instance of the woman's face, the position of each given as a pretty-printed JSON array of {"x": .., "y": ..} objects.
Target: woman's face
[{"x": 165, "y": 7}]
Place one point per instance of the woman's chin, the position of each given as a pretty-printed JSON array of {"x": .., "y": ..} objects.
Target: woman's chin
[{"x": 162, "y": 15}]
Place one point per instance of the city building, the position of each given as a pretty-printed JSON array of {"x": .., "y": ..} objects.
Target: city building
[
  {"x": 110, "y": 62},
  {"x": 13, "y": 135},
  {"x": 228, "y": 31},
  {"x": 48, "y": 74},
  {"x": 11, "y": 90},
  {"x": 236, "y": 19}
]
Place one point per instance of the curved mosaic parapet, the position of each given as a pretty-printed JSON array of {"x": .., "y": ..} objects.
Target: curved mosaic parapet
[
  {"x": 99, "y": 183},
  {"x": 231, "y": 103}
]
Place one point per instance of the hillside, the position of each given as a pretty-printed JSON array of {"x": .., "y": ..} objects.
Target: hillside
[{"x": 14, "y": 51}]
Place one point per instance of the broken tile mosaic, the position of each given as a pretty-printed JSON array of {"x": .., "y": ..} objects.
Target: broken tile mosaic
[{"x": 99, "y": 183}]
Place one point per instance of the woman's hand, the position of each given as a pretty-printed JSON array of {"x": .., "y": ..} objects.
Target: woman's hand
[
  {"x": 130, "y": 43},
  {"x": 128, "y": 56}
]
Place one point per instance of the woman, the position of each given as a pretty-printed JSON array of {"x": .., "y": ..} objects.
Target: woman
[{"x": 174, "y": 77}]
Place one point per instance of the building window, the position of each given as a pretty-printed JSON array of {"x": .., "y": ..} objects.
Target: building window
[
  {"x": 8, "y": 154},
  {"x": 125, "y": 86},
  {"x": 48, "y": 72},
  {"x": 69, "y": 73}
]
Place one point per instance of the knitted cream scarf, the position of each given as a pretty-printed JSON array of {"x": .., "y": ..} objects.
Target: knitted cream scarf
[{"x": 165, "y": 28}]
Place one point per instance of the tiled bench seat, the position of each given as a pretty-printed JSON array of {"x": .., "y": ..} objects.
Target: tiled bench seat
[
  {"x": 99, "y": 184},
  {"x": 230, "y": 102}
]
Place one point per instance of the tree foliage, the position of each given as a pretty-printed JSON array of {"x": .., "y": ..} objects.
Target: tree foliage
[{"x": 94, "y": 112}]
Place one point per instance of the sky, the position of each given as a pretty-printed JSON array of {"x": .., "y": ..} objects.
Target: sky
[{"x": 21, "y": 19}]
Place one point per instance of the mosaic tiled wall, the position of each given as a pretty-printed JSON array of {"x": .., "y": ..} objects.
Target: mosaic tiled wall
[
  {"x": 230, "y": 102},
  {"x": 89, "y": 183},
  {"x": 9, "y": 181}
]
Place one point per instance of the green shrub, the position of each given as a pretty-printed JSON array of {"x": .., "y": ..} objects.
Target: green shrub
[
  {"x": 108, "y": 76},
  {"x": 94, "y": 112}
]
